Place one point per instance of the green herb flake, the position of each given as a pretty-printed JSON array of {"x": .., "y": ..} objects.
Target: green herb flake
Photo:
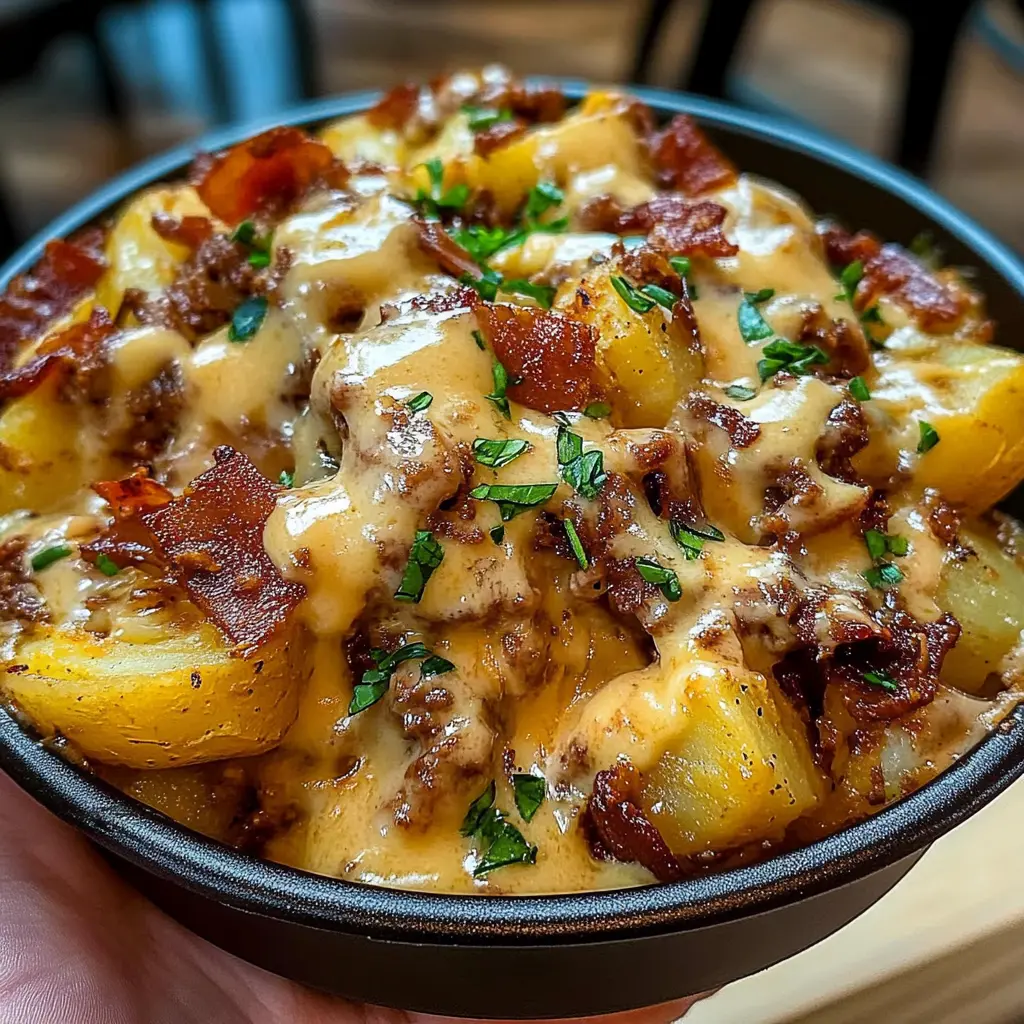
[
  {"x": 244, "y": 233},
  {"x": 479, "y": 339},
  {"x": 929, "y": 437},
  {"x": 497, "y": 453},
  {"x": 662, "y": 296},
  {"x": 883, "y": 576},
  {"x": 577, "y": 547},
  {"x": 753, "y": 326},
  {"x": 899, "y": 546},
  {"x": 420, "y": 402},
  {"x": 498, "y": 396},
  {"x": 482, "y": 118},
  {"x": 541, "y": 198},
  {"x": 529, "y": 791},
  {"x": 514, "y": 499},
  {"x": 598, "y": 410},
  {"x": 630, "y": 296},
  {"x": 477, "y": 809},
  {"x": 708, "y": 532},
  {"x": 259, "y": 246},
  {"x": 49, "y": 555},
  {"x": 107, "y": 565},
  {"x": 740, "y": 392},
  {"x": 680, "y": 264},
  {"x": 497, "y": 534},
  {"x": 923, "y": 246},
  {"x": 286, "y": 478},
  {"x": 664, "y": 579},
  {"x": 375, "y": 681},
  {"x": 542, "y": 294},
  {"x": 431, "y": 203},
  {"x": 482, "y": 242},
  {"x": 849, "y": 279},
  {"x": 486, "y": 285},
  {"x": 788, "y": 355},
  {"x": 691, "y": 543},
  {"x": 582, "y": 471},
  {"x": 876, "y": 544},
  {"x": 248, "y": 318},
  {"x": 859, "y": 390},
  {"x": 425, "y": 556},
  {"x": 882, "y": 680}
]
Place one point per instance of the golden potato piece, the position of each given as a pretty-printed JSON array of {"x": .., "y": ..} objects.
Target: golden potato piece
[
  {"x": 355, "y": 140},
  {"x": 985, "y": 592},
  {"x": 973, "y": 395},
  {"x": 741, "y": 771},
  {"x": 177, "y": 701},
  {"x": 137, "y": 256},
  {"x": 644, "y": 362}
]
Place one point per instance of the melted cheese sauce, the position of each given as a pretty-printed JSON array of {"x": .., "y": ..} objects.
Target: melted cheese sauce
[{"x": 547, "y": 677}]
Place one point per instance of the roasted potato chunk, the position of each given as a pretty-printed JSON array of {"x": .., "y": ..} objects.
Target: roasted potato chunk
[{"x": 182, "y": 699}]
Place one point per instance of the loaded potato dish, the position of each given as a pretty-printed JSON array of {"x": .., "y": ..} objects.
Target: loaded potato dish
[{"x": 491, "y": 493}]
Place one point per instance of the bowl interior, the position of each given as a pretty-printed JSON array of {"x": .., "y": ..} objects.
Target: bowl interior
[{"x": 833, "y": 178}]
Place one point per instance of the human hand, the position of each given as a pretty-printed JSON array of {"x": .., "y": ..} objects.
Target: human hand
[{"x": 80, "y": 946}]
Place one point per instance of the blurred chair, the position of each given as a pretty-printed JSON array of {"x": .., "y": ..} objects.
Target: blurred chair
[
  {"x": 29, "y": 27},
  {"x": 933, "y": 30}
]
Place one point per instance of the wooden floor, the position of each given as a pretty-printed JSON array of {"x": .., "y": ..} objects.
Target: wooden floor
[{"x": 833, "y": 63}]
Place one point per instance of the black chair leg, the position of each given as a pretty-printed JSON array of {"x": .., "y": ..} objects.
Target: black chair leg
[
  {"x": 724, "y": 22},
  {"x": 307, "y": 66},
  {"x": 10, "y": 238},
  {"x": 657, "y": 12},
  {"x": 926, "y": 80}
]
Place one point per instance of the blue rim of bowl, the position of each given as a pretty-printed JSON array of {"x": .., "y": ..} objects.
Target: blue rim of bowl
[{"x": 155, "y": 843}]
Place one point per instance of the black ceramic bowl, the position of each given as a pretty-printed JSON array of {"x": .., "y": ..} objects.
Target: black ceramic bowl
[{"x": 588, "y": 952}]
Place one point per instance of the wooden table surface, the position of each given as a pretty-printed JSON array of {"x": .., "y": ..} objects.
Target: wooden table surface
[{"x": 945, "y": 946}]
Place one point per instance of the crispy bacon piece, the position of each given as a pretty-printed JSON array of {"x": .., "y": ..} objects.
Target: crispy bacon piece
[
  {"x": 209, "y": 540},
  {"x": 66, "y": 271},
  {"x": 616, "y": 827},
  {"x": 552, "y": 354},
  {"x": 264, "y": 174},
  {"x": 190, "y": 231},
  {"x": 672, "y": 223},
  {"x": 845, "y": 434},
  {"x": 395, "y": 108},
  {"x": 462, "y": 297},
  {"x": 742, "y": 431},
  {"x": 533, "y": 103},
  {"x": 499, "y": 134},
  {"x": 436, "y": 243},
  {"x": 842, "y": 342},
  {"x": 19, "y": 596},
  {"x": 890, "y": 270},
  {"x": 686, "y": 160},
  {"x": 75, "y": 350}
]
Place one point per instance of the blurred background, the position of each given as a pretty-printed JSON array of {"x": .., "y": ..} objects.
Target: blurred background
[{"x": 90, "y": 86}]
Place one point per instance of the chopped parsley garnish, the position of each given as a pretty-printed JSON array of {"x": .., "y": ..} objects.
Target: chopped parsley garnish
[
  {"x": 708, "y": 532},
  {"x": 753, "y": 326},
  {"x": 630, "y": 296},
  {"x": 482, "y": 118},
  {"x": 431, "y": 203},
  {"x": 929, "y": 437},
  {"x": 513, "y": 499},
  {"x": 740, "y": 392},
  {"x": 923, "y": 246},
  {"x": 498, "y": 396},
  {"x": 691, "y": 543},
  {"x": 662, "y": 296},
  {"x": 664, "y": 579},
  {"x": 49, "y": 555},
  {"x": 503, "y": 843},
  {"x": 859, "y": 390},
  {"x": 486, "y": 284},
  {"x": 497, "y": 534},
  {"x": 497, "y": 453},
  {"x": 681, "y": 265},
  {"x": 880, "y": 544},
  {"x": 482, "y": 242},
  {"x": 541, "y": 198},
  {"x": 286, "y": 478},
  {"x": 248, "y": 318},
  {"x": 849, "y": 278},
  {"x": 375, "y": 681},
  {"x": 479, "y": 339},
  {"x": 529, "y": 791},
  {"x": 883, "y": 576},
  {"x": 542, "y": 294},
  {"x": 577, "y": 547},
  {"x": 582, "y": 471},
  {"x": 107, "y": 565},
  {"x": 788, "y": 355},
  {"x": 259, "y": 245},
  {"x": 598, "y": 410},
  {"x": 425, "y": 556},
  {"x": 882, "y": 680},
  {"x": 420, "y": 402}
]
